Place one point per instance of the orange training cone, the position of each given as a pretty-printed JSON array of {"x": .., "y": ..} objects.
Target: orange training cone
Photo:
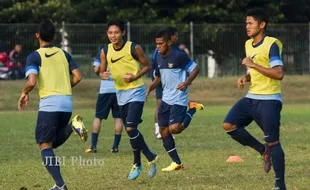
[{"x": 234, "y": 159}]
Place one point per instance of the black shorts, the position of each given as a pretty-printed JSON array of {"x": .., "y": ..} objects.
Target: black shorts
[
  {"x": 170, "y": 114},
  {"x": 48, "y": 124},
  {"x": 105, "y": 103},
  {"x": 266, "y": 113},
  {"x": 131, "y": 113}
]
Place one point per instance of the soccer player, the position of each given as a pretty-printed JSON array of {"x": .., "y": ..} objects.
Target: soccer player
[
  {"x": 106, "y": 101},
  {"x": 263, "y": 102},
  {"x": 159, "y": 90},
  {"x": 173, "y": 66},
  {"x": 124, "y": 59},
  {"x": 50, "y": 67}
]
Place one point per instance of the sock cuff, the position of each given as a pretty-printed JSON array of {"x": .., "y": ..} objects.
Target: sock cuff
[{"x": 133, "y": 133}]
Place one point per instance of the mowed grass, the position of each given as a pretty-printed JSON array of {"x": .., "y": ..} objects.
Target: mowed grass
[{"x": 203, "y": 147}]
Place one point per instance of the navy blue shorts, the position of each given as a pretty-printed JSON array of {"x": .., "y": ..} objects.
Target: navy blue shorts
[
  {"x": 170, "y": 114},
  {"x": 266, "y": 113},
  {"x": 49, "y": 123},
  {"x": 105, "y": 103},
  {"x": 159, "y": 92},
  {"x": 131, "y": 113}
]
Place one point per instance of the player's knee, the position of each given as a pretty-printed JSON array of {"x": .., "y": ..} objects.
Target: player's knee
[
  {"x": 45, "y": 145},
  {"x": 175, "y": 129},
  {"x": 128, "y": 129},
  {"x": 164, "y": 131},
  {"x": 229, "y": 127}
]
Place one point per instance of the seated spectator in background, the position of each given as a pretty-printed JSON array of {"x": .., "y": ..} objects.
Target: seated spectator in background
[{"x": 15, "y": 58}]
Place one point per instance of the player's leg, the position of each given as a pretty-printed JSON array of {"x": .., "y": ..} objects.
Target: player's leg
[
  {"x": 45, "y": 133},
  {"x": 269, "y": 113},
  {"x": 136, "y": 167},
  {"x": 64, "y": 131},
  {"x": 133, "y": 119},
  {"x": 102, "y": 112},
  {"x": 159, "y": 95},
  {"x": 239, "y": 116},
  {"x": 164, "y": 115},
  {"x": 118, "y": 125},
  {"x": 193, "y": 107}
]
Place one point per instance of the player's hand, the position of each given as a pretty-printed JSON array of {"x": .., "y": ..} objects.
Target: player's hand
[
  {"x": 248, "y": 62},
  {"x": 23, "y": 101},
  {"x": 241, "y": 81},
  {"x": 129, "y": 77},
  {"x": 182, "y": 86},
  {"x": 105, "y": 75}
]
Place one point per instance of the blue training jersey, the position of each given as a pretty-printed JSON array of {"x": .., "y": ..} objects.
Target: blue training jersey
[
  {"x": 106, "y": 86},
  {"x": 172, "y": 71}
]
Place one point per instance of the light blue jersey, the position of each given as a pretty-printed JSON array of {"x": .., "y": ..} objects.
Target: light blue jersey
[
  {"x": 106, "y": 86},
  {"x": 131, "y": 95},
  {"x": 172, "y": 71}
]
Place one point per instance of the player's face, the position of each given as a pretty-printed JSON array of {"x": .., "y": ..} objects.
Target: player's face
[
  {"x": 162, "y": 46},
  {"x": 115, "y": 34},
  {"x": 253, "y": 27}
]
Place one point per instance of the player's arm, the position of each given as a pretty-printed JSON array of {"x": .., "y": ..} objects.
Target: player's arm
[
  {"x": 242, "y": 80},
  {"x": 33, "y": 62},
  {"x": 141, "y": 57},
  {"x": 276, "y": 70},
  {"x": 104, "y": 74},
  {"x": 192, "y": 75},
  {"x": 189, "y": 66},
  {"x": 74, "y": 71},
  {"x": 76, "y": 77}
]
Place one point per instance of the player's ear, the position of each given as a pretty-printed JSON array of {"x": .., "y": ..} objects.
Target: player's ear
[{"x": 262, "y": 24}]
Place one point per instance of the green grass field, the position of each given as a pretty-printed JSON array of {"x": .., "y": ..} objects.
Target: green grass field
[{"x": 203, "y": 147}]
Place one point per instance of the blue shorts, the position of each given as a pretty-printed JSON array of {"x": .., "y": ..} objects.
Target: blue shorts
[
  {"x": 131, "y": 113},
  {"x": 266, "y": 113},
  {"x": 159, "y": 92},
  {"x": 49, "y": 123},
  {"x": 170, "y": 114},
  {"x": 105, "y": 103}
]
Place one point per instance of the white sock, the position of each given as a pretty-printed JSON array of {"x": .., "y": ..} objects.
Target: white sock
[{"x": 156, "y": 128}]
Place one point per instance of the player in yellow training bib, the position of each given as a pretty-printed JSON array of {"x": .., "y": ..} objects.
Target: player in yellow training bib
[
  {"x": 263, "y": 102},
  {"x": 124, "y": 59}
]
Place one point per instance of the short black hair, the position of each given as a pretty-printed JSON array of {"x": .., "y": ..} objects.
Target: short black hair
[
  {"x": 118, "y": 23},
  {"x": 164, "y": 34},
  {"x": 172, "y": 30},
  {"x": 47, "y": 30},
  {"x": 258, "y": 14}
]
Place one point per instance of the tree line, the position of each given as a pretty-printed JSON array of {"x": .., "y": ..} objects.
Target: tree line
[{"x": 150, "y": 11}]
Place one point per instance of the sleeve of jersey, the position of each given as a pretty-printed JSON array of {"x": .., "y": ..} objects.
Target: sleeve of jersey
[
  {"x": 33, "y": 63},
  {"x": 97, "y": 59},
  {"x": 72, "y": 64},
  {"x": 187, "y": 64},
  {"x": 274, "y": 56}
]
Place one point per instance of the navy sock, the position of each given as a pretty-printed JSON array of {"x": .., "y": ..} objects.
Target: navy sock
[
  {"x": 169, "y": 145},
  {"x": 62, "y": 136},
  {"x": 278, "y": 162},
  {"x": 145, "y": 149},
  {"x": 50, "y": 163},
  {"x": 94, "y": 140},
  {"x": 134, "y": 141},
  {"x": 246, "y": 139},
  {"x": 188, "y": 117},
  {"x": 117, "y": 139}
]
